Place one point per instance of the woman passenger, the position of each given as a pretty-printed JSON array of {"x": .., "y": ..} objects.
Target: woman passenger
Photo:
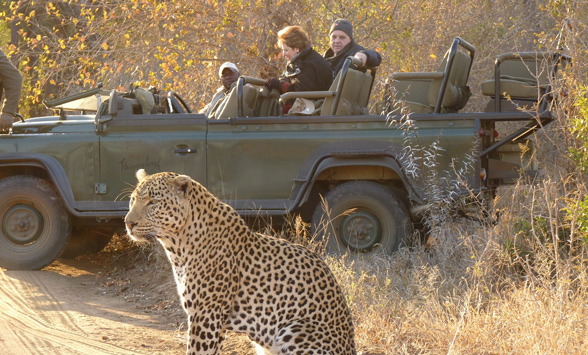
[{"x": 307, "y": 70}]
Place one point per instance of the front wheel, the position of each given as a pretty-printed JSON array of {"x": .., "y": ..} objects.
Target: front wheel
[
  {"x": 362, "y": 217},
  {"x": 34, "y": 225}
]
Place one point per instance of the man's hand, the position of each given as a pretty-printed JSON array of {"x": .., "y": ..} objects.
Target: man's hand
[
  {"x": 6, "y": 120},
  {"x": 362, "y": 57}
]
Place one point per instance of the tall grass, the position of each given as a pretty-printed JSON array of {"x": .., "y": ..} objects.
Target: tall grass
[
  {"x": 520, "y": 287},
  {"x": 498, "y": 290}
]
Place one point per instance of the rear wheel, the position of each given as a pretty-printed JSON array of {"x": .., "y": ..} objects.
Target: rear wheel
[
  {"x": 34, "y": 225},
  {"x": 362, "y": 217}
]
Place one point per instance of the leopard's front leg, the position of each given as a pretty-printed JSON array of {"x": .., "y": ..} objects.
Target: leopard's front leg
[{"x": 205, "y": 334}]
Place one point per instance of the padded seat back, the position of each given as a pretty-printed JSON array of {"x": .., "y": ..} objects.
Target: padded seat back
[
  {"x": 267, "y": 103},
  {"x": 414, "y": 94},
  {"x": 424, "y": 92},
  {"x": 524, "y": 79},
  {"x": 229, "y": 107},
  {"x": 521, "y": 78},
  {"x": 354, "y": 94},
  {"x": 535, "y": 70},
  {"x": 457, "y": 92}
]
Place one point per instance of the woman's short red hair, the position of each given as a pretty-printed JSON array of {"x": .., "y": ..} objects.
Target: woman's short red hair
[{"x": 294, "y": 37}]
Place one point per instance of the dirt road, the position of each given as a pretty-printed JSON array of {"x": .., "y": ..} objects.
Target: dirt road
[
  {"x": 68, "y": 310},
  {"x": 120, "y": 301}
]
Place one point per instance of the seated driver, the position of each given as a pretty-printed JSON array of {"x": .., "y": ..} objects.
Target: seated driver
[{"x": 229, "y": 74}]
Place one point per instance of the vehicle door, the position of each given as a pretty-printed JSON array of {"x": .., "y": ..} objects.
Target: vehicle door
[
  {"x": 254, "y": 163},
  {"x": 154, "y": 142}
]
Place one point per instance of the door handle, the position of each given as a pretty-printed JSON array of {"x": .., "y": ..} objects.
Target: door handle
[{"x": 185, "y": 150}]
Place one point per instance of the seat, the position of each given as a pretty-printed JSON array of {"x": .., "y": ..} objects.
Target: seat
[
  {"x": 521, "y": 78},
  {"x": 230, "y": 106},
  {"x": 348, "y": 95},
  {"x": 120, "y": 102},
  {"x": 354, "y": 94},
  {"x": 249, "y": 98},
  {"x": 267, "y": 102},
  {"x": 442, "y": 91}
]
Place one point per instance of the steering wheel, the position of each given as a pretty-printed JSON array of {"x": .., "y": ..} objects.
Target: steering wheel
[
  {"x": 19, "y": 116},
  {"x": 177, "y": 103}
]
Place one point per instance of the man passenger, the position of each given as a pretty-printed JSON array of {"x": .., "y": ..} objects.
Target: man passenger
[
  {"x": 229, "y": 74},
  {"x": 343, "y": 46}
]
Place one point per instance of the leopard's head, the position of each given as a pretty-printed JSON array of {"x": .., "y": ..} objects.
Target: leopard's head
[{"x": 159, "y": 206}]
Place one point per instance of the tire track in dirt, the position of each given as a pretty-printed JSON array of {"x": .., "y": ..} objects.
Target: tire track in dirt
[
  {"x": 34, "y": 321},
  {"x": 52, "y": 304},
  {"x": 31, "y": 294}
]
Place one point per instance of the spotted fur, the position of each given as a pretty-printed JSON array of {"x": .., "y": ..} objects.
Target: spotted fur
[{"x": 281, "y": 295}]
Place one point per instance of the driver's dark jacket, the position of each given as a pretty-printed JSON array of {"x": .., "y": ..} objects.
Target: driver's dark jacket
[{"x": 308, "y": 71}]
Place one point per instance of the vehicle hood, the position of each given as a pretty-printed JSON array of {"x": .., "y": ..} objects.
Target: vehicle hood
[{"x": 55, "y": 124}]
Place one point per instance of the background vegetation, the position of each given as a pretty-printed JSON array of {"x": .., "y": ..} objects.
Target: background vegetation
[
  {"x": 520, "y": 287},
  {"x": 68, "y": 46}
]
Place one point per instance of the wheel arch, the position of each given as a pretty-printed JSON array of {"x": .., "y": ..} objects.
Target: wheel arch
[
  {"x": 42, "y": 166},
  {"x": 381, "y": 167}
]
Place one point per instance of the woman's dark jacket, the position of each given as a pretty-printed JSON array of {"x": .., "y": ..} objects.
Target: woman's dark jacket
[
  {"x": 373, "y": 58},
  {"x": 308, "y": 71}
]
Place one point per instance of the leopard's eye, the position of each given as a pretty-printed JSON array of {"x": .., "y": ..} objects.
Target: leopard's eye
[{"x": 152, "y": 202}]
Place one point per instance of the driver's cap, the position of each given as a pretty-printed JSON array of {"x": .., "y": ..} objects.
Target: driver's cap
[{"x": 229, "y": 65}]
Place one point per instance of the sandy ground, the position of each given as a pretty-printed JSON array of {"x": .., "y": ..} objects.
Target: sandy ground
[{"x": 95, "y": 305}]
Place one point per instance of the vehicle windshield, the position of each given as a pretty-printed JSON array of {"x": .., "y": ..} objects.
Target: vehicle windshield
[{"x": 86, "y": 101}]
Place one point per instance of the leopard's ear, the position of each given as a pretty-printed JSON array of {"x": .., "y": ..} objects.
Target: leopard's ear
[
  {"x": 183, "y": 183},
  {"x": 141, "y": 174}
]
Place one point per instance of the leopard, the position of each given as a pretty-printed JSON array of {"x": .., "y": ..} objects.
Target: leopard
[{"x": 282, "y": 295}]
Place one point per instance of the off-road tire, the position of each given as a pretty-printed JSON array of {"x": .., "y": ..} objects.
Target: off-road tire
[
  {"x": 362, "y": 217},
  {"x": 34, "y": 224}
]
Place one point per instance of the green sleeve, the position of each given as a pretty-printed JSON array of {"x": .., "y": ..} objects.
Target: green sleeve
[{"x": 11, "y": 81}]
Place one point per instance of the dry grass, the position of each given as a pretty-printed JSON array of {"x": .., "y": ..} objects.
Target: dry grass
[{"x": 476, "y": 299}]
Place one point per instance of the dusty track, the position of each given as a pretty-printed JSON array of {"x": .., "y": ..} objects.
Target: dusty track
[
  {"x": 100, "y": 305},
  {"x": 65, "y": 310}
]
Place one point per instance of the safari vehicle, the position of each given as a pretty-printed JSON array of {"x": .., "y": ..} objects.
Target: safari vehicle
[{"x": 70, "y": 175}]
